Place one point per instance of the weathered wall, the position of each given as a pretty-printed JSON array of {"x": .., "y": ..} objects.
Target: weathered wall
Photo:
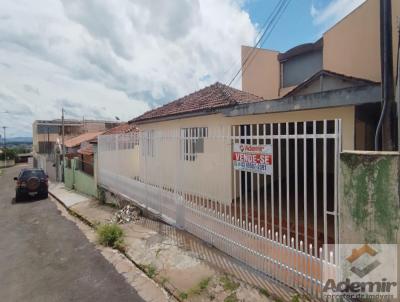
[{"x": 369, "y": 197}]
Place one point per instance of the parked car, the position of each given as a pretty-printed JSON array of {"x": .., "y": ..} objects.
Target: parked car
[{"x": 31, "y": 182}]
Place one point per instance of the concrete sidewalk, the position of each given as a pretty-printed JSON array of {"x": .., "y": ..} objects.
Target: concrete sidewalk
[
  {"x": 179, "y": 262},
  {"x": 146, "y": 288}
]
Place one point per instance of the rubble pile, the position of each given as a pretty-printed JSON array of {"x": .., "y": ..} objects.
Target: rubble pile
[{"x": 127, "y": 214}]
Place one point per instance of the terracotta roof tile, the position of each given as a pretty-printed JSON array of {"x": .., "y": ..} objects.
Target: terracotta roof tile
[
  {"x": 77, "y": 140},
  {"x": 87, "y": 150},
  {"x": 209, "y": 98},
  {"x": 123, "y": 128}
]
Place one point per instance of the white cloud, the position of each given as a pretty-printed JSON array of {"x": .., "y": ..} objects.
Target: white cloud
[
  {"x": 101, "y": 58},
  {"x": 328, "y": 15}
]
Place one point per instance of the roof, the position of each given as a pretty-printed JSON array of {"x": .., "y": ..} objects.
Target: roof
[
  {"x": 207, "y": 99},
  {"x": 301, "y": 49},
  {"x": 87, "y": 150},
  {"x": 328, "y": 73},
  {"x": 350, "y": 96},
  {"x": 123, "y": 128},
  {"x": 77, "y": 140}
]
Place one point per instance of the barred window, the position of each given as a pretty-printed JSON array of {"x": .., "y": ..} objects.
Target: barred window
[{"x": 192, "y": 142}]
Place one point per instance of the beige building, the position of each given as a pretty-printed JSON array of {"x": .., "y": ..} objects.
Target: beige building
[
  {"x": 351, "y": 47},
  {"x": 47, "y": 133}
]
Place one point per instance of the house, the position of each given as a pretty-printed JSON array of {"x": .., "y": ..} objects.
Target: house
[
  {"x": 255, "y": 171},
  {"x": 48, "y": 133}
]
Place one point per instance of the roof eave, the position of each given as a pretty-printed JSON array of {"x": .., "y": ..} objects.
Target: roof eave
[{"x": 334, "y": 98}]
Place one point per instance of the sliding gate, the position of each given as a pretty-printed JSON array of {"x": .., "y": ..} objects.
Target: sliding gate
[{"x": 265, "y": 194}]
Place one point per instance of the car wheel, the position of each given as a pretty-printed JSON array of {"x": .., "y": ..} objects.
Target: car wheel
[
  {"x": 18, "y": 197},
  {"x": 45, "y": 195}
]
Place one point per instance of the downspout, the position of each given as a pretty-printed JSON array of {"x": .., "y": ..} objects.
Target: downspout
[
  {"x": 384, "y": 128},
  {"x": 398, "y": 84}
]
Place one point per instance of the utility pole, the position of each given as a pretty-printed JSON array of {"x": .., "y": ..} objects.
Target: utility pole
[
  {"x": 62, "y": 142},
  {"x": 386, "y": 126},
  {"x": 4, "y": 144}
]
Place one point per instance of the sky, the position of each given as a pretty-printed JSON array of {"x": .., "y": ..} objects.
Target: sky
[{"x": 101, "y": 59}]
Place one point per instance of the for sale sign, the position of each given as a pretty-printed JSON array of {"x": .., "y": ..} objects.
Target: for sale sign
[{"x": 252, "y": 158}]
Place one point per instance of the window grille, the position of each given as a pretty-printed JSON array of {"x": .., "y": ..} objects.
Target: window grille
[{"x": 192, "y": 140}]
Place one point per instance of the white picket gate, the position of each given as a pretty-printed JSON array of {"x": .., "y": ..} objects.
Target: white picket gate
[{"x": 275, "y": 219}]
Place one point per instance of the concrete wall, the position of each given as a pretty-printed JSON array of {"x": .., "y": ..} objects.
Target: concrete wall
[
  {"x": 352, "y": 46},
  {"x": 369, "y": 197},
  {"x": 126, "y": 162},
  {"x": 261, "y": 73},
  {"x": 7, "y": 163},
  {"x": 297, "y": 69},
  {"x": 79, "y": 181}
]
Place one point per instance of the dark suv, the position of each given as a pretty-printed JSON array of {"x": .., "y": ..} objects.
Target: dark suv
[{"x": 31, "y": 182}]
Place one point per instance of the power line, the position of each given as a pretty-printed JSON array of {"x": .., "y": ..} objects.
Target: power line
[
  {"x": 267, "y": 25},
  {"x": 267, "y": 36},
  {"x": 263, "y": 28},
  {"x": 271, "y": 22}
]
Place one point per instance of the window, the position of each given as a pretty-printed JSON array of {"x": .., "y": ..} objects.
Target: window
[
  {"x": 296, "y": 70},
  {"x": 148, "y": 143},
  {"x": 192, "y": 142}
]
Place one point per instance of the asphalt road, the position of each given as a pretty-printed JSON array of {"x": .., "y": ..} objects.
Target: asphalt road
[{"x": 45, "y": 257}]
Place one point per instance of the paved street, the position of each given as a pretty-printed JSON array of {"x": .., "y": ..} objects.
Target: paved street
[{"x": 45, "y": 257}]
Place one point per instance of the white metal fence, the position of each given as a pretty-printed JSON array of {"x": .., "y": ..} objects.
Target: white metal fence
[{"x": 265, "y": 194}]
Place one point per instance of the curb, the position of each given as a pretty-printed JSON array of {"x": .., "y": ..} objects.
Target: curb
[{"x": 91, "y": 225}]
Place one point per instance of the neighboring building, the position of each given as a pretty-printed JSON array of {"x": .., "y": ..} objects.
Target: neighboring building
[
  {"x": 351, "y": 48},
  {"x": 87, "y": 148},
  {"x": 47, "y": 133}
]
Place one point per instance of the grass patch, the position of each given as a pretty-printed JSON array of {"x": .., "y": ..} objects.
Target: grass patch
[
  {"x": 110, "y": 235},
  {"x": 231, "y": 298},
  {"x": 183, "y": 296},
  {"x": 163, "y": 280},
  {"x": 264, "y": 292},
  {"x": 150, "y": 270},
  {"x": 228, "y": 284},
  {"x": 197, "y": 290},
  {"x": 296, "y": 298}
]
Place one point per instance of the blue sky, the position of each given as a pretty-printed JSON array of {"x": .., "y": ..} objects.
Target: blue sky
[{"x": 303, "y": 21}]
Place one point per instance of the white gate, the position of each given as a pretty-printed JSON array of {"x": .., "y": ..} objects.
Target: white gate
[{"x": 271, "y": 204}]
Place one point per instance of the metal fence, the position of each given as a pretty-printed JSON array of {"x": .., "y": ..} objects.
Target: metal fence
[{"x": 265, "y": 194}]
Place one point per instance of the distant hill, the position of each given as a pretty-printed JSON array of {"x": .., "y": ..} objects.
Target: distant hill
[{"x": 20, "y": 140}]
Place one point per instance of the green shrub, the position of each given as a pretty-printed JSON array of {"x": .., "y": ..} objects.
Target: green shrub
[
  {"x": 183, "y": 296},
  {"x": 110, "y": 235},
  {"x": 151, "y": 270},
  {"x": 264, "y": 292},
  {"x": 202, "y": 285}
]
